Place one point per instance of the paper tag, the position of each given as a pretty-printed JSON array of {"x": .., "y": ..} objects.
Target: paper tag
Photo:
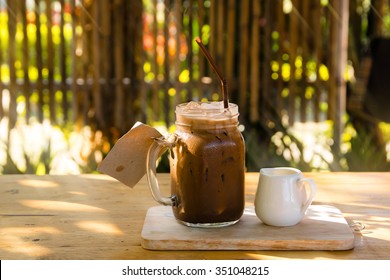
[{"x": 126, "y": 161}]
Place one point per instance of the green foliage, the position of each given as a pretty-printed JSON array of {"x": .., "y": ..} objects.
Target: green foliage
[
  {"x": 366, "y": 154},
  {"x": 261, "y": 153},
  {"x": 42, "y": 149}
]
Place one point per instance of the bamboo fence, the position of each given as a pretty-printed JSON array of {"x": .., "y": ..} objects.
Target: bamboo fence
[{"x": 107, "y": 64}]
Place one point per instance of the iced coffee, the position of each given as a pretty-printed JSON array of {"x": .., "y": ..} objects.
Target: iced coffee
[
  {"x": 207, "y": 160},
  {"x": 207, "y": 166}
]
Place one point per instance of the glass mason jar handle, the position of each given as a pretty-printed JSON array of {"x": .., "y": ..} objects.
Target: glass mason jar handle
[{"x": 159, "y": 146}]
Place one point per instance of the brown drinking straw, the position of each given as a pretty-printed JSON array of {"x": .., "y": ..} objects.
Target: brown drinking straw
[{"x": 222, "y": 79}]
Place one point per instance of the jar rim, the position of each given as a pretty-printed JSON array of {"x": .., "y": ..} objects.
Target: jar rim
[{"x": 208, "y": 109}]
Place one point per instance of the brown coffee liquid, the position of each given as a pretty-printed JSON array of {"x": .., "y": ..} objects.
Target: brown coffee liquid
[{"x": 207, "y": 171}]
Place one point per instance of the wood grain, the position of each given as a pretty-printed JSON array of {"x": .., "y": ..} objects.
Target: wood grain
[{"x": 96, "y": 217}]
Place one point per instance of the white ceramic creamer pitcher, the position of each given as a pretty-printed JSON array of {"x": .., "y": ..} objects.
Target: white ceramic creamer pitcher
[{"x": 281, "y": 198}]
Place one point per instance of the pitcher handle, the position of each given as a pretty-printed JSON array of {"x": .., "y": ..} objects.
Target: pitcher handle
[
  {"x": 159, "y": 146},
  {"x": 313, "y": 189}
]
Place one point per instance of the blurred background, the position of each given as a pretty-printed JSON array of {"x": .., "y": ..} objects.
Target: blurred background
[{"x": 311, "y": 78}]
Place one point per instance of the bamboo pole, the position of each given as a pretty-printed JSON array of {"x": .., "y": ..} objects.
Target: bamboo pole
[
  {"x": 74, "y": 86},
  {"x": 86, "y": 58},
  {"x": 220, "y": 37},
  {"x": 138, "y": 52},
  {"x": 63, "y": 54},
  {"x": 50, "y": 63},
  {"x": 270, "y": 11},
  {"x": 1, "y": 85},
  {"x": 293, "y": 30},
  {"x": 243, "y": 57},
  {"x": 341, "y": 56},
  {"x": 106, "y": 66},
  {"x": 136, "y": 94},
  {"x": 332, "y": 62},
  {"x": 177, "y": 10},
  {"x": 267, "y": 95},
  {"x": 130, "y": 37},
  {"x": 12, "y": 114},
  {"x": 191, "y": 8},
  {"x": 255, "y": 59},
  {"x": 97, "y": 98},
  {"x": 38, "y": 48},
  {"x": 317, "y": 55},
  {"x": 25, "y": 62},
  {"x": 230, "y": 43},
  {"x": 201, "y": 58},
  {"x": 305, "y": 53},
  {"x": 120, "y": 101},
  {"x": 166, "y": 86},
  {"x": 155, "y": 68},
  {"x": 213, "y": 29},
  {"x": 281, "y": 28}
]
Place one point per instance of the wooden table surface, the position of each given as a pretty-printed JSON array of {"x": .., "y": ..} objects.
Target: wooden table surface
[{"x": 97, "y": 217}]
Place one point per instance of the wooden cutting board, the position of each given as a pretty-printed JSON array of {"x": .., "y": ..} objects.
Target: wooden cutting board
[{"x": 323, "y": 228}]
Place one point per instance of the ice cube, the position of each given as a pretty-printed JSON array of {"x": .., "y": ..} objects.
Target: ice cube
[
  {"x": 192, "y": 105},
  {"x": 211, "y": 105},
  {"x": 203, "y": 109}
]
